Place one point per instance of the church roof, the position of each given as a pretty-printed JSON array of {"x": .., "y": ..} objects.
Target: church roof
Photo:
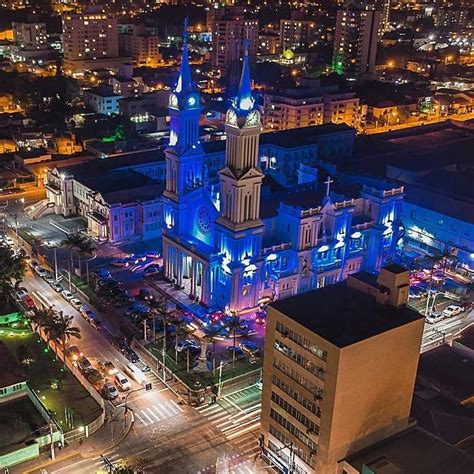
[{"x": 185, "y": 84}]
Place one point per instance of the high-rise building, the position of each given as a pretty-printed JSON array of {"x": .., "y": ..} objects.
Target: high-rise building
[
  {"x": 339, "y": 370},
  {"x": 229, "y": 31},
  {"x": 30, "y": 36},
  {"x": 297, "y": 34},
  {"x": 355, "y": 43},
  {"x": 141, "y": 44},
  {"x": 90, "y": 41}
]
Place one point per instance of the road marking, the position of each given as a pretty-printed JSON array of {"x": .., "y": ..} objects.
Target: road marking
[
  {"x": 216, "y": 415},
  {"x": 243, "y": 431},
  {"x": 141, "y": 419},
  {"x": 205, "y": 409},
  {"x": 147, "y": 417},
  {"x": 161, "y": 412},
  {"x": 154, "y": 414},
  {"x": 177, "y": 406}
]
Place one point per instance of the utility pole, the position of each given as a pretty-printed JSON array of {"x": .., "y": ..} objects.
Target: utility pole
[
  {"x": 144, "y": 330},
  {"x": 55, "y": 265}
]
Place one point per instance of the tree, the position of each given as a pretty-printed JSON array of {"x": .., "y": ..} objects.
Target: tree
[
  {"x": 42, "y": 318},
  {"x": 158, "y": 307},
  {"x": 63, "y": 330},
  {"x": 12, "y": 271},
  {"x": 79, "y": 243},
  {"x": 211, "y": 332},
  {"x": 234, "y": 325}
]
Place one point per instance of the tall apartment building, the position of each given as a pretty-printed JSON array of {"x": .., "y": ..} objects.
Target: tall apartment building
[
  {"x": 297, "y": 34},
  {"x": 355, "y": 43},
  {"x": 339, "y": 370},
  {"x": 306, "y": 106},
  {"x": 30, "y": 36},
  {"x": 229, "y": 31},
  {"x": 141, "y": 44},
  {"x": 90, "y": 41}
]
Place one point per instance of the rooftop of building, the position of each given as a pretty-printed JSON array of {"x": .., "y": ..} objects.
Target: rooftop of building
[
  {"x": 11, "y": 372},
  {"x": 401, "y": 454},
  {"x": 122, "y": 186},
  {"x": 343, "y": 315},
  {"x": 445, "y": 368},
  {"x": 102, "y": 91},
  {"x": 467, "y": 338}
]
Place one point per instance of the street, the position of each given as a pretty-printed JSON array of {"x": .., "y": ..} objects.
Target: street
[{"x": 167, "y": 435}]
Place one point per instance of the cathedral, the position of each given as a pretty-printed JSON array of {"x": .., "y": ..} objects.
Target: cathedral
[{"x": 244, "y": 240}]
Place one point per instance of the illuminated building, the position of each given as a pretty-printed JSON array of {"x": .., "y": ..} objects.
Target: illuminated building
[
  {"x": 90, "y": 41},
  {"x": 339, "y": 371},
  {"x": 141, "y": 44},
  {"x": 227, "y": 246},
  {"x": 297, "y": 34},
  {"x": 355, "y": 44}
]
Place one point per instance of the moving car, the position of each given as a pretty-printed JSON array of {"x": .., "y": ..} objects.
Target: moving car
[
  {"x": 109, "y": 392},
  {"x": 67, "y": 295},
  {"x": 122, "y": 382},
  {"x": 74, "y": 353},
  {"x": 452, "y": 310},
  {"x": 434, "y": 318},
  {"x": 136, "y": 374},
  {"x": 153, "y": 254},
  {"x": 107, "y": 368}
]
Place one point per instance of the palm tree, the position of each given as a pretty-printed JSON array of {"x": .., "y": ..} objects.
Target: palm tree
[
  {"x": 159, "y": 306},
  {"x": 13, "y": 268},
  {"x": 42, "y": 318},
  {"x": 234, "y": 325},
  {"x": 79, "y": 243},
  {"x": 63, "y": 330}
]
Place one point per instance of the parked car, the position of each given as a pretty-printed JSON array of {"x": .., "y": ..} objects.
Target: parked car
[
  {"x": 74, "y": 353},
  {"x": 28, "y": 301},
  {"x": 102, "y": 272},
  {"x": 33, "y": 264},
  {"x": 132, "y": 259},
  {"x": 434, "y": 318},
  {"x": 141, "y": 257},
  {"x": 452, "y": 310},
  {"x": 239, "y": 354},
  {"x": 67, "y": 295},
  {"x": 84, "y": 364},
  {"x": 131, "y": 355},
  {"x": 259, "y": 384},
  {"x": 185, "y": 344},
  {"x": 151, "y": 270},
  {"x": 57, "y": 287},
  {"x": 109, "y": 391},
  {"x": 8, "y": 240},
  {"x": 260, "y": 317},
  {"x": 20, "y": 294},
  {"x": 76, "y": 303},
  {"x": 40, "y": 271},
  {"x": 49, "y": 278},
  {"x": 93, "y": 376},
  {"x": 122, "y": 382},
  {"x": 250, "y": 348},
  {"x": 120, "y": 343}
]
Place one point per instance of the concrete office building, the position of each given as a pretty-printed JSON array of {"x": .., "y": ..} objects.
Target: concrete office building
[
  {"x": 355, "y": 44},
  {"x": 297, "y": 34},
  {"x": 339, "y": 370}
]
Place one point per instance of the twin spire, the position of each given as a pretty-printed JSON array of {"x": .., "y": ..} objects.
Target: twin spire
[
  {"x": 244, "y": 100},
  {"x": 185, "y": 84}
]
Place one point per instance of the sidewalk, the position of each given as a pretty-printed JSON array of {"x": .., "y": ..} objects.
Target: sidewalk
[{"x": 112, "y": 433}]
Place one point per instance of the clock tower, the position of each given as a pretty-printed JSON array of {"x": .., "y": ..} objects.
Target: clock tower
[
  {"x": 239, "y": 230},
  {"x": 184, "y": 156},
  {"x": 241, "y": 179}
]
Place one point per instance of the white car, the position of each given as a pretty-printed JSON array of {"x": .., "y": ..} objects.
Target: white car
[
  {"x": 434, "y": 318},
  {"x": 67, "y": 295},
  {"x": 8, "y": 240},
  {"x": 452, "y": 310},
  {"x": 42, "y": 272},
  {"x": 57, "y": 287},
  {"x": 122, "y": 382},
  {"x": 76, "y": 303}
]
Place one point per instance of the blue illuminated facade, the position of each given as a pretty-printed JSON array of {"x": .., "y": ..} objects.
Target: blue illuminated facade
[{"x": 235, "y": 243}]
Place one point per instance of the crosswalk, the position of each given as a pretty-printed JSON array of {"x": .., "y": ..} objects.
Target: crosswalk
[
  {"x": 240, "y": 427},
  {"x": 90, "y": 465},
  {"x": 157, "y": 412}
]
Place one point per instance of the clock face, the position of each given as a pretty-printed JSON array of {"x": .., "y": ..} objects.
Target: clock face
[
  {"x": 173, "y": 100},
  {"x": 253, "y": 118},
  {"x": 204, "y": 220},
  {"x": 192, "y": 101},
  {"x": 231, "y": 117}
]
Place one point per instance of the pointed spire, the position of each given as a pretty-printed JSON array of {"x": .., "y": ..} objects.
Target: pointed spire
[
  {"x": 244, "y": 100},
  {"x": 185, "y": 83}
]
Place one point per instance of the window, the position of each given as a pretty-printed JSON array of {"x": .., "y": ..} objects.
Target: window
[{"x": 440, "y": 222}]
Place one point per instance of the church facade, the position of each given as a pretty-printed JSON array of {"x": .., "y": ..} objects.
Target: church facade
[{"x": 244, "y": 240}]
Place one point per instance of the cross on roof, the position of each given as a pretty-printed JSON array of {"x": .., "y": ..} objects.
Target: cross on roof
[{"x": 328, "y": 183}]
